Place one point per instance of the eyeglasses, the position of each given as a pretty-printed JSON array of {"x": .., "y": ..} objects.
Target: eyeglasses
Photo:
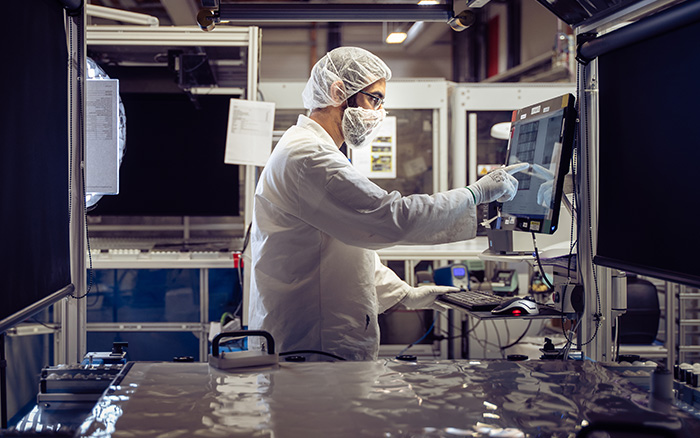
[{"x": 376, "y": 100}]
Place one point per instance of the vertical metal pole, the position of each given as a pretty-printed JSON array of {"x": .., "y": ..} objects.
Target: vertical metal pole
[
  {"x": 73, "y": 311},
  {"x": 473, "y": 158},
  {"x": 679, "y": 291},
  {"x": 671, "y": 330},
  {"x": 3, "y": 383},
  {"x": 441, "y": 126},
  {"x": 460, "y": 162},
  {"x": 204, "y": 314},
  {"x": 250, "y": 171},
  {"x": 588, "y": 190}
]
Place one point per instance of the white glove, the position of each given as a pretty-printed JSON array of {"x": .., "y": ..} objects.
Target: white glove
[
  {"x": 497, "y": 185},
  {"x": 423, "y": 297},
  {"x": 544, "y": 194}
]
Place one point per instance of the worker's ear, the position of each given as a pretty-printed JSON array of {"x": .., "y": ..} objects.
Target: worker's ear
[{"x": 337, "y": 92}]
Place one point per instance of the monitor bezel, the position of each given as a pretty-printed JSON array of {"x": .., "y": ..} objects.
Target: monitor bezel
[{"x": 566, "y": 102}]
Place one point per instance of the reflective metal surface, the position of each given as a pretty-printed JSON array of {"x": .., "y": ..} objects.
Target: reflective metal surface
[{"x": 379, "y": 399}]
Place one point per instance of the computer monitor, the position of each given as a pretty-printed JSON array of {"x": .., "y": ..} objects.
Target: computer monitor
[
  {"x": 648, "y": 156},
  {"x": 542, "y": 136}
]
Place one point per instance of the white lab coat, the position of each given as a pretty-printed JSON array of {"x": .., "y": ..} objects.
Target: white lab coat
[{"x": 316, "y": 282}]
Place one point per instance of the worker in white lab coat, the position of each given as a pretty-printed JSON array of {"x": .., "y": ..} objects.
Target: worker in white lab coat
[{"x": 317, "y": 283}]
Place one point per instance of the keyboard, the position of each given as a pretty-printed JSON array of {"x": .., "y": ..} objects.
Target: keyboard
[{"x": 473, "y": 300}]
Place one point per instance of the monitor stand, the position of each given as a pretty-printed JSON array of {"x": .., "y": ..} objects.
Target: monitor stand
[{"x": 501, "y": 243}]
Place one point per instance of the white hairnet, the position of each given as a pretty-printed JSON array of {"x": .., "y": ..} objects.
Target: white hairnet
[{"x": 356, "y": 68}]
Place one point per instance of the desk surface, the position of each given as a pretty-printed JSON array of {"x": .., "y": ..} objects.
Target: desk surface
[
  {"x": 378, "y": 399},
  {"x": 446, "y": 251}
]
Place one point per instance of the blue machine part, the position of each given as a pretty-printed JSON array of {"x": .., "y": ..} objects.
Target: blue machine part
[{"x": 453, "y": 275}]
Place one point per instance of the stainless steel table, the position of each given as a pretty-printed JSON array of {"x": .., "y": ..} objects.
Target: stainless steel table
[{"x": 378, "y": 399}]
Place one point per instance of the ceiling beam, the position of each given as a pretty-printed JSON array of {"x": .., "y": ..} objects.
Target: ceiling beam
[{"x": 341, "y": 12}]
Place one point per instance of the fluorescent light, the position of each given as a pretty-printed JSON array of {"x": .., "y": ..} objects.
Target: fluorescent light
[
  {"x": 396, "y": 37},
  {"x": 428, "y": 2},
  {"x": 476, "y": 3}
]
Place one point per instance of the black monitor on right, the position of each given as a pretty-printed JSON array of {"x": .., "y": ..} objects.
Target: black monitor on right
[
  {"x": 649, "y": 156},
  {"x": 542, "y": 136}
]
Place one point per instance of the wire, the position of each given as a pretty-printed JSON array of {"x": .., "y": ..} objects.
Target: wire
[
  {"x": 79, "y": 67},
  {"x": 498, "y": 337},
  {"x": 539, "y": 262},
  {"x": 51, "y": 327},
  {"x": 246, "y": 241},
  {"x": 420, "y": 339},
  {"x": 322, "y": 353},
  {"x": 520, "y": 338},
  {"x": 569, "y": 342}
]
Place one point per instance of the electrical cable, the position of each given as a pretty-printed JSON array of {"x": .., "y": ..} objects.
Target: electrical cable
[
  {"x": 498, "y": 338},
  {"x": 569, "y": 342},
  {"x": 50, "y": 327},
  {"x": 430, "y": 329},
  {"x": 539, "y": 262},
  {"x": 239, "y": 268},
  {"x": 520, "y": 338},
  {"x": 79, "y": 67}
]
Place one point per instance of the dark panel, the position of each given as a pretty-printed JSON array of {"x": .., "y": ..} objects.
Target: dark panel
[
  {"x": 649, "y": 152},
  {"x": 33, "y": 156},
  {"x": 174, "y": 159}
]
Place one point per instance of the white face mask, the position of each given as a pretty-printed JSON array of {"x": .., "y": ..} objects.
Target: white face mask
[{"x": 361, "y": 126}]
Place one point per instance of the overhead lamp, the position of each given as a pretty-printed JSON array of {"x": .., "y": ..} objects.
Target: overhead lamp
[
  {"x": 476, "y": 3},
  {"x": 428, "y": 2},
  {"x": 396, "y": 37}
]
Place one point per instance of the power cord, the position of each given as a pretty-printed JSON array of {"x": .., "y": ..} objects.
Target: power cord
[{"x": 80, "y": 68}]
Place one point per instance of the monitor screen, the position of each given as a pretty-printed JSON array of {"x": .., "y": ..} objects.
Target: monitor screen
[
  {"x": 542, "y": 136},
  {"x": 34, "y": 171},
  {"x": 648, "y": 157}
]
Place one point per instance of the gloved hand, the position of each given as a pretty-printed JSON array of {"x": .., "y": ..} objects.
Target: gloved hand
[
  {"x": 497, "y": 185},
  {"x": 544, "y": 194},
  {"x": 423, "y": 297}
]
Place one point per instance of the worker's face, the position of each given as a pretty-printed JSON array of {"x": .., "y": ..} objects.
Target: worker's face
[{"x": 363, "y": 114}]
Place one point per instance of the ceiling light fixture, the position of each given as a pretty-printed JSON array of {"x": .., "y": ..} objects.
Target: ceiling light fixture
[{"x": 396, "y": 37}]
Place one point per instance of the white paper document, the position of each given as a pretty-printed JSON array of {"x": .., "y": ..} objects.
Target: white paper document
[
  {"x": 249, "y": 135},
  {"x": 102, "y": 145}
]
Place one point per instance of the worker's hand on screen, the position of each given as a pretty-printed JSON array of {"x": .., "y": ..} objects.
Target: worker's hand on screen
[
  {"x": 544, "y": 193},
  {"x": 499, "y": 184},
  {"x": 423, "y": 297}
]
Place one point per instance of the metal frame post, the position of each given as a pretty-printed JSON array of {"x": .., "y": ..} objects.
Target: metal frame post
[{"x": 72, "y": 337}]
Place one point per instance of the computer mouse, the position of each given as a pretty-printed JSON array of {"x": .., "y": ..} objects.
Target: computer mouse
[{"x": 517, "y": 306}]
